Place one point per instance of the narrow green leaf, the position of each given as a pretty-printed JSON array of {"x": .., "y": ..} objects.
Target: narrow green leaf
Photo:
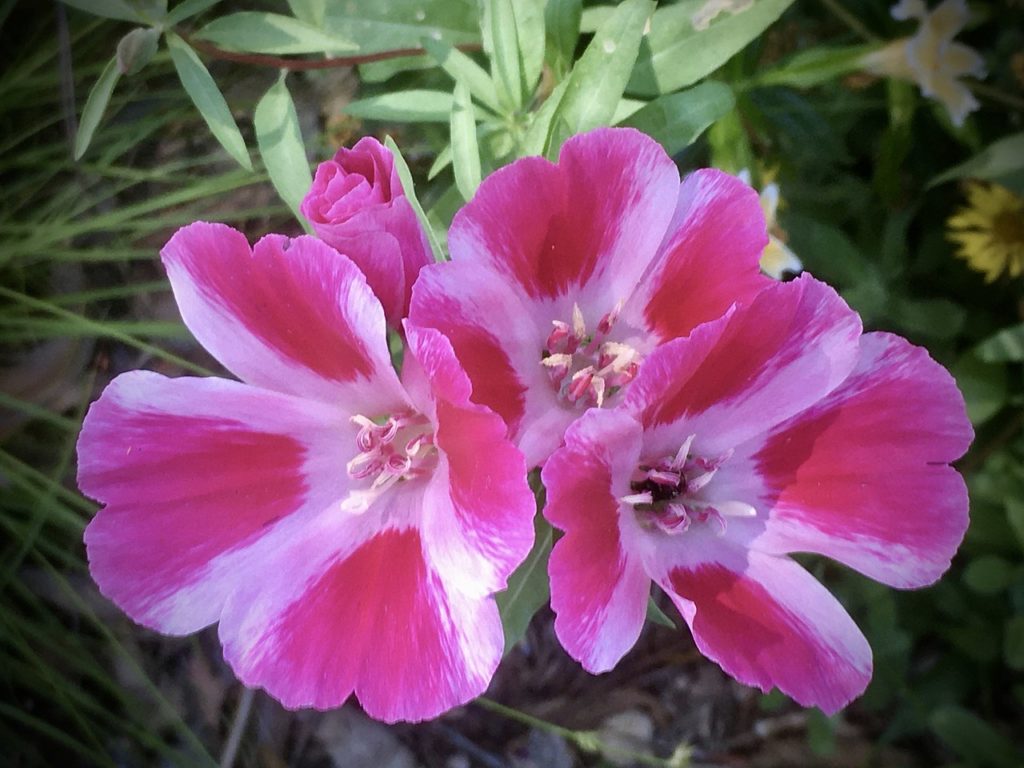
[
  {"x": 815, "y": 66},
  {"x": 988, "y": 574},
  {"x": 464, "y": 70},
  {"x": 528, "y": 588},
  {"x": 973, "y": 739},
  {"x": 95, "y": 106},
  {"x": 410, "y": 192},
  {"x": 442, "y": 161},
  {"x": 271, "y": 33},
  {"x": 561, "y": 33},
  {"x": 678, "y": 119},
  {"x": 501, "y": 41},
  {"x": 310, "y": 11},
  {"x": 187, "y": 9},
  {"x": 658, "y": 616},
  {"x": 1007, "y": 346},
  {"x": 676, "y": 54},
  {"x": 538, "y": 135},
  {"x": 465, "y": 152},
  {"x": 1002, "y": 162},
  {"x": 389, "y": 24},
  {"x": 530, "y": 29},
  {"x": 595, "y": 85},
  {"x": 984, "y": 386},
  {"x": 208, "y": 99},
  {"x": 416, "y": 106},
  {"x": 281, "y": 147},
  {"x": 110, "y": 9},
  {"x": 136, "y": 49}
]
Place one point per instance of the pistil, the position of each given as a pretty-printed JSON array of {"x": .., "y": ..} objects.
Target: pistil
[{"x": 401, "y": 448}]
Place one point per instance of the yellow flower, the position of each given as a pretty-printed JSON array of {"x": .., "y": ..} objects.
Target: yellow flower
[
  {"x": 777, "y": 259},
  {"x": 990, "y": 231},
  {"x": 930, "y": 57}
]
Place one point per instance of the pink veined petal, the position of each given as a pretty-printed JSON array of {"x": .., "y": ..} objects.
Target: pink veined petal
[
  {"x": 290, "y": 315},
  {"x": 491, "y": 330},
  {"x": 739, "y": 376},
  {"x": 710, "y": 257},
  {"x": 599, "y": 589},
  {"x": 194, "y": 474},
  {"x": 378, "y": 621},
  {"x": 863, "y": 476},
  {"x": 588, "y": 225},
  {"x": 767, "y": 622},
  {"x": 478, "y": 509}
]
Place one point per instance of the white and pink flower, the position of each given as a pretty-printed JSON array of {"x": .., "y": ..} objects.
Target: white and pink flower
[
  {"x": 777, "y": 428},
  {"x": 565, "y": 277},
  {"x": 357, "y": 205},
  {"x": 347, "y": 529}
]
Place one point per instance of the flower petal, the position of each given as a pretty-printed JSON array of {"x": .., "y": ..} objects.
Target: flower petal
[
  {"x": 588, "y": 225},
  {"x": 767, "y": 622},
  {"x": 478, "y": 510},
  {"x": 598, "y": 590},
  {"x": 741, "y": 375},
  {"x": 377, "y": 620},
  {"x": 709, "y": 259},
  {"x": 290, "y": 315},
  {"x": 193, "y": 474},
  {"x": 862, "y": 478}
]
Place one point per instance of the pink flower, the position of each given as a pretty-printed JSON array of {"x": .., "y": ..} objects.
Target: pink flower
[
  {"x": 565, "y": 277},
  {"x": 346, "y": 530},
  {"x": 357, "y": 205},
  {"x": 775, "y": 429}
]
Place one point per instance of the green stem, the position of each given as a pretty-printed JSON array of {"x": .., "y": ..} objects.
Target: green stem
[{"x": 852, "y": 22}]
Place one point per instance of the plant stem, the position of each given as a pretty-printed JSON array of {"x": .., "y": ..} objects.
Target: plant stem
[
  {"x": 855, "y": 25},
  {"x": 227, "y": 758}
]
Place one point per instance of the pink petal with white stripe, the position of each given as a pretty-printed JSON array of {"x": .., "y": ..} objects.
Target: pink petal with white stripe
[
  {"x": 599, "y": 589},
  {"x": 498, "y": 336},
  {"x": 477, "y": 516},
  {"x": 769, "y": 623},
  {"x": 741, "y": 375},
  {"x": 709, "y": 260},
  {"x": 377, "y": 619},
  {"x": 588, "y": 225},
  {"x": 290, "y": 315},
  {"x": 863, "y": 476},
  {"x": 196, "y": 476}
]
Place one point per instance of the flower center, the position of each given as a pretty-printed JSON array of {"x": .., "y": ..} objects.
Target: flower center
[
  {"x": 587, "y": 368},
  {"x": 1008, "y": 227},
  {"x": 668, "y": 493},
  {"x": 401, "y": 448}
]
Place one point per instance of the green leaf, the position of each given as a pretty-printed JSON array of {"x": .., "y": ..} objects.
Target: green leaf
[
  {"x": 281, "y": 146},
  {"x": 442, "y": 161},
  {"x": 501, "y": 43},
  {"x": 385, "y": 25},
  {"x": 528, "y": 588},
  {"x": 136, "y": 49},
  {"x": 675, "y": 54},
  {"x": 465, "y": 152},
  {"x": 95, "y": 106},
  {"x": 595, "y": 85},
  {"x": 208, "y": 99},
  {"x": 464, "y": 70},
  {"x": 410, "y": 193},
  {"x": 1001, "y": 162},
  {"x": 815, "y": 66},
  {"x": 1015, "y": 517},
  {"x": 658, "y": 616},
  {"x": 678, "y": 119},
  {"x": 983, "y": 385},
  {"x": 988, "y": 574},
  {"x": 110, "y": 9},
  {"x": 973, "y": 739},
  {"x": 1007, "y": 346},
  {"x": 561, "y": 33},
  {"x": 188, "y": 9},
  {"x": 310, "y": 11},
  {"x": 271, "y": 33},
  {"x": 933, "y": 318},
  {"x": 1013, "y": 643},
  {"x": 416, "y": 106}
]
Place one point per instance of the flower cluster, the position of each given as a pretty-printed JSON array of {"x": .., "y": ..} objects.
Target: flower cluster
[{"x": 696, "y": 422}]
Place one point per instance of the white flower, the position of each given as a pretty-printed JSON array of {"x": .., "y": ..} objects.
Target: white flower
[
  {"x": 777, "y": 258},
  {"x": 930, "y": 57}
]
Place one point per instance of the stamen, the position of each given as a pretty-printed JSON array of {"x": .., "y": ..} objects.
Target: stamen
[{"x": 381, "y": 458}]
